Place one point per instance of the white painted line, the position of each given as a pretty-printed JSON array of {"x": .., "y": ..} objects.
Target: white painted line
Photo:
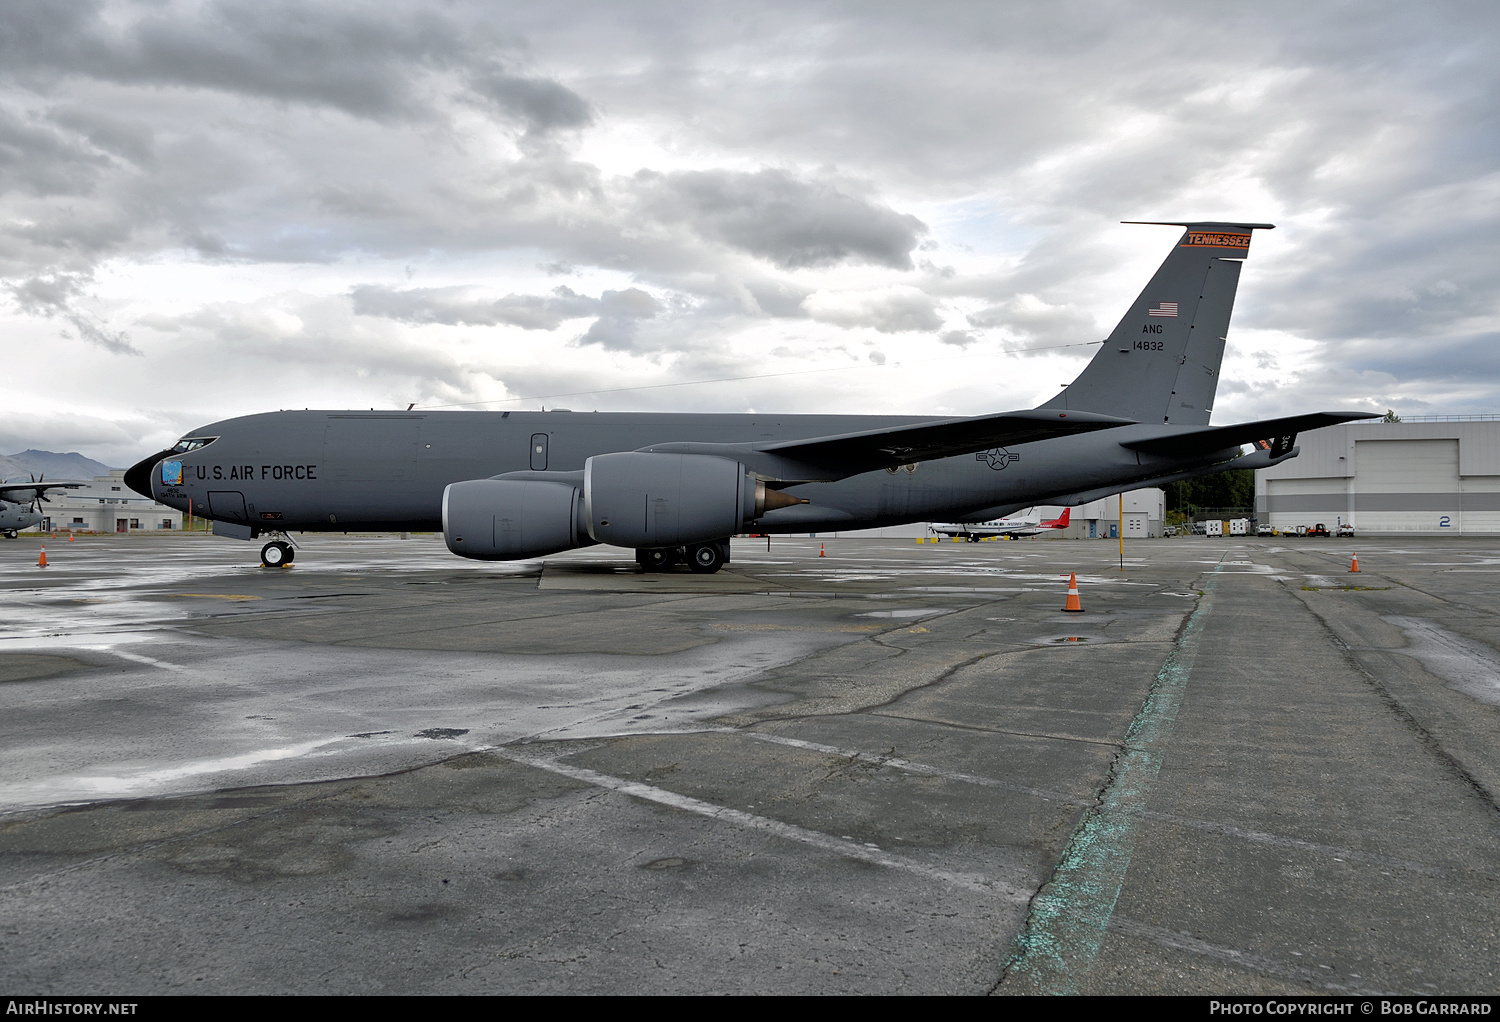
[
  {"x": 1259, "y": 837},
  {"x": 917, "y": 768},
  {"x": 1251, "y": 963},
  {"x": 777, "y": 828}
]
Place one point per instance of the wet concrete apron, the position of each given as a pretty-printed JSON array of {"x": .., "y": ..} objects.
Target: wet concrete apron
[{"x": 892, "y": 769}]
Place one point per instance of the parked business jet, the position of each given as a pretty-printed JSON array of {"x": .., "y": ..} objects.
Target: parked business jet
[{"x": 1017, "y": 526}]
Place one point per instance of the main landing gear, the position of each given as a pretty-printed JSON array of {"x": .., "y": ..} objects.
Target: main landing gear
[
  {"x": 702, "y": 558},
  {"x": 277, "y": 554}
]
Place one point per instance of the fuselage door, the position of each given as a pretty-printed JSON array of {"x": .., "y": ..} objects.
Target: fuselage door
[
  {"x": 539, "y": 452},
  {"x": 227, "y": 505}
]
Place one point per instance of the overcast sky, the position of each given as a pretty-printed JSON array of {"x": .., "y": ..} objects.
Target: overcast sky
[{"x": 220, "y": 208}]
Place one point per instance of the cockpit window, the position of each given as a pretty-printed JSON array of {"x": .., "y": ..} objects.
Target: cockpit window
[{"x": 192, "y": 443}]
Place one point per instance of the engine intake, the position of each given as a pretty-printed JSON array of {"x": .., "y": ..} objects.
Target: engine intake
[{"x": 511, "y": 519}]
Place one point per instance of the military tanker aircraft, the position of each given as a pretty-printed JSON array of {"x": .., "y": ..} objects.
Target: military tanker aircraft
[{"x": 676, "y": 486}]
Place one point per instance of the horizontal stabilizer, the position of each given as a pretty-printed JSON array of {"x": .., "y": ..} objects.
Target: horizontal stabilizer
[
  {"x": 1189, "y": 443},
  {"x": 1252, "y": 461}
]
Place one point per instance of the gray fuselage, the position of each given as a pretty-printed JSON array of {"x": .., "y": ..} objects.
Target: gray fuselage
[
  {"x": 374, "y": 471},
  {"x": 15, "y": 517}
]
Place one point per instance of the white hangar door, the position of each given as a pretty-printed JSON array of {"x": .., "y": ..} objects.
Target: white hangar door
[{"x": 1406, "y": 486}]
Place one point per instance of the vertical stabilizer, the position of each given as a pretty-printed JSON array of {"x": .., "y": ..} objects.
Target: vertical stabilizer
[{"x": 1161, "y": 363}]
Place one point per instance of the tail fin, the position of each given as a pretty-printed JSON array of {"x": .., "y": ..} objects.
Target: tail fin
[{"x": 1163, "y": 358}]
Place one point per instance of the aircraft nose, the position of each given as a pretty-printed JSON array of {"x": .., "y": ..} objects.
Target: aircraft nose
[{"x": 138, "y": 476}]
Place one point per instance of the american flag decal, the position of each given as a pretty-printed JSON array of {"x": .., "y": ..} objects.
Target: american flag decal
[{"x": 1166, "y": 309}]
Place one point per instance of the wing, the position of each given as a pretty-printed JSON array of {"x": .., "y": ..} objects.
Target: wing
[
  {"x": 846, "y": 454},
  {"x": 1217, "y": 438},
  {"x": 941, "y": 438},
  {"x": 25, "y": 493}
]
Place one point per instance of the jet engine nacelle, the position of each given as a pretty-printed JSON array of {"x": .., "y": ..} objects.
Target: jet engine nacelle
[
  {"x": 510, "y": 519},
  {"x": 662, "y": 500}
]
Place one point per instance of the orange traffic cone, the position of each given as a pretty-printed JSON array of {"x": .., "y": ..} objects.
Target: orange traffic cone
[
  {"x": 1074, "y": 604},
  {"x": 820, "y": 551},
  {"x": 1354, "y": 564},
  {"x": 70, "y": 537},
  {"x": 41, "y": 562}
]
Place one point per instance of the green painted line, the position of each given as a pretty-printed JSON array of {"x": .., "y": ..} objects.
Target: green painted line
[{"x": 1070, "y": 914}]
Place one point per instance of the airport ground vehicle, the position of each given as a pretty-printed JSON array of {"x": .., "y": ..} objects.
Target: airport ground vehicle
[
  {"x": 1346, "y": 531},
  {"x": 1318, "y": 530},
  {"x": 1213, "y": 527},
  {"x": 675, "y": 486},
  {"x": 1264, "y": 529}
]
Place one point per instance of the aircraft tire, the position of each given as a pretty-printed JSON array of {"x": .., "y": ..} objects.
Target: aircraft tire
[
  {"x": 10, "y": 534},
  {"x": 274, "y": 555},
  {"x": 706, "y": 558},
  {"x": 658, "y": 559}
]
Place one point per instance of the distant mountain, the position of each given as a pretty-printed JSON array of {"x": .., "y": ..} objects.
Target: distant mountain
[{"x": 51, "y": 464}]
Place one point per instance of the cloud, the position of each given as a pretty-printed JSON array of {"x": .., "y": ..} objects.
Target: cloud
[
  {"x": 1027, "y": 317},
  {"x": 460, "y": 306},
  {"x": 732, "y": 183},
  {"x": 617, "y": 313},
  {"x": 620, "y": 315},
  {"x": 336, "y": 55},
  {"x": 791, "y": 222},
  {"x": 543, "y": 104},
  {"x": 38, "y": 159},
  {"x": 778, "y": 298},
  {"x": 888, "y": 310},
  {"x": 57, "y": 296}
]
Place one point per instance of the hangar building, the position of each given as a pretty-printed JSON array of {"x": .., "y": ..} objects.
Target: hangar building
[
  {"x": 106, "y": 505},
  {"x": 1437, "y": 474}
]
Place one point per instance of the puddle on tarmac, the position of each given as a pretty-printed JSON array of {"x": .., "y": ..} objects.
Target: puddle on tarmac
[
  {"x": 909, "y": 612},
  {"x": 1468, "y": 666}
]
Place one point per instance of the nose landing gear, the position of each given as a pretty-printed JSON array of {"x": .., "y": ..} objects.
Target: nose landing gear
[{"x": 277, "y": 554}]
